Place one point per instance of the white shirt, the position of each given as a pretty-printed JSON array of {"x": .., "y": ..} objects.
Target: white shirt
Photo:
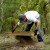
[{"x": 31, "y": 16}]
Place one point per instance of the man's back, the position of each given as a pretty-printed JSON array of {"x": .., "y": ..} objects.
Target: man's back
[{"x": 32, "y": 14}]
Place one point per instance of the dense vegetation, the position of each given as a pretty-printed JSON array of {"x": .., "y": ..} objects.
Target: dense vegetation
[{"x": 11, "y": 9}]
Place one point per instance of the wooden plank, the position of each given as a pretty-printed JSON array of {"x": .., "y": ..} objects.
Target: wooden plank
[{"x": 21, "y": 33}]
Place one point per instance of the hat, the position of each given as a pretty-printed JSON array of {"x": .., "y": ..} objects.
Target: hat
[{"x": 22, "y": 17}]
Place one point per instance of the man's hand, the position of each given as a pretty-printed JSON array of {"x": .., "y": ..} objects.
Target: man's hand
[
  {"x": 35, "y": 32},
  {"x": 14, "y": 28}
]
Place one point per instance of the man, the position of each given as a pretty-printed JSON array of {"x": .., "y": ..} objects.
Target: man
[{"x": 30, "y": 17}]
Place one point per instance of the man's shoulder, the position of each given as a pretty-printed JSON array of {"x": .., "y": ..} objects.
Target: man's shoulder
[{"x": 31, "y": 12}]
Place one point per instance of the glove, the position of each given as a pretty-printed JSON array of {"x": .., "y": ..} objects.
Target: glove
[{"x": 35, "y": 32}]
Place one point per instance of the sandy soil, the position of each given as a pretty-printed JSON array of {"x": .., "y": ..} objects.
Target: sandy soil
[{"x": 10, "y": 43}]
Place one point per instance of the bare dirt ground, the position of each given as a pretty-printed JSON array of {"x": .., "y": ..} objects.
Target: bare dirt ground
[{"x": 10, "y": 43}]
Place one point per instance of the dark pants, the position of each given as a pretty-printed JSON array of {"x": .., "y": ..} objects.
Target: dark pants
[{"x": 39, "y": 36}]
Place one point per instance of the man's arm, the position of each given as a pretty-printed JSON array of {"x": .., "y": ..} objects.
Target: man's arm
[
  {"x": 37, "y": 26},
  {"x": 18, "y": 24}
]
